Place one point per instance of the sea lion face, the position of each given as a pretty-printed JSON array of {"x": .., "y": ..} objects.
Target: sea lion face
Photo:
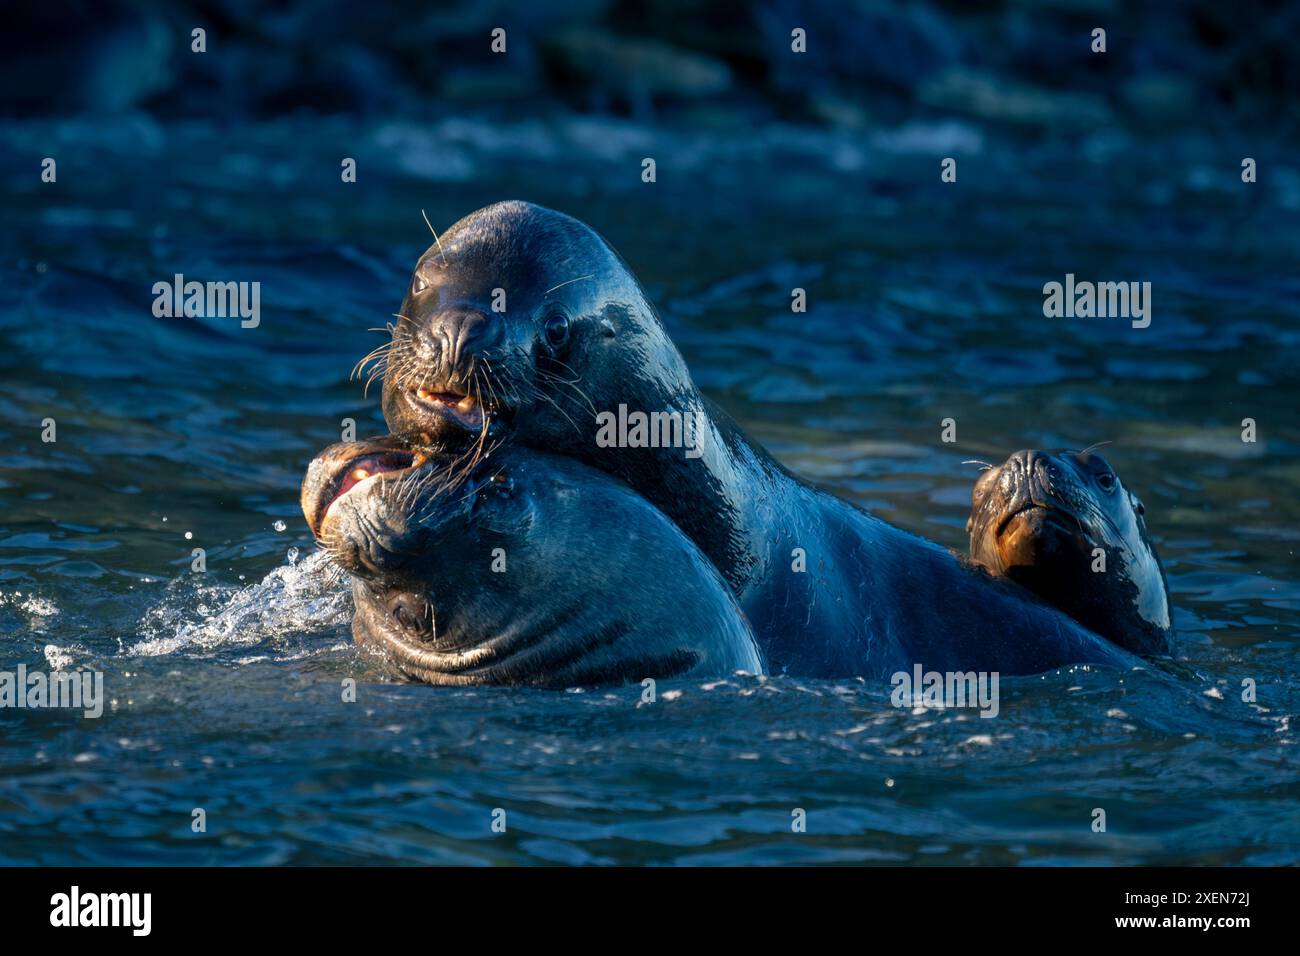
[
  {"x": 402, "y": 522},
  {"x": 516, "y": 568},
  {"x": 506, "y": 326},
  {"x": 1039, "y": 518}
]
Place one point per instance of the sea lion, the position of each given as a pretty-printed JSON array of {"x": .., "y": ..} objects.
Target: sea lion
[
  {"x": 521, "y": 324},
  {"x": 518, "y": 568},
  {"x": 1065, "y": 527}
]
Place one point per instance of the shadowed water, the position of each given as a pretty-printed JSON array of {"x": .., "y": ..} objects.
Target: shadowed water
[{"x": 925, "y": 303}]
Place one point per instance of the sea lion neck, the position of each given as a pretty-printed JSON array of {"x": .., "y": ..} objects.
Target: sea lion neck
[
  {"x": 721, "y": 489},
  {"x": 722, "y": 493}
]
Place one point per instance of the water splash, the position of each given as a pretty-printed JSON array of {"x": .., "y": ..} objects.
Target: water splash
[
  {"x": 30, "y": 604},
  {"x": 294, "y": 600}
]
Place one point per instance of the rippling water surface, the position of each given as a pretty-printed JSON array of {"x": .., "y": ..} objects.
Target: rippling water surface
[{"x": 925, "y": 303}]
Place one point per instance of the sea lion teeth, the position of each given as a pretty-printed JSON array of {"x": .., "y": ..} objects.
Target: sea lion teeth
[
  {"x": 423, "y": 598},
  {"x": 881, "y": 600},
  {"x": 344, "y": 467},
  {"x": 451, "y": 399},
  {"x": 350, "y": 486}
]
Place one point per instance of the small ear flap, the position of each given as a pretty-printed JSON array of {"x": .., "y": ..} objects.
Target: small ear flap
[
  {"x": 970, "y": 523},
  {"x": 1137, "y": 504}
]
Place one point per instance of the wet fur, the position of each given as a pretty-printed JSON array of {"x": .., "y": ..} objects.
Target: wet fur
[
  {"x": 874, "y": 599},
  {"x": 1128, "y": 603},
  {"x": 599, "y": 587}
]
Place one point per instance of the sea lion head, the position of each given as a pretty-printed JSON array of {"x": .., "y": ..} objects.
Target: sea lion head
[
  {"x": 354, "y": 498},
  {"x": 522, "y": 319},
  {"x": 517, "y": 568},
  {"x": 1066, "y": 527}
]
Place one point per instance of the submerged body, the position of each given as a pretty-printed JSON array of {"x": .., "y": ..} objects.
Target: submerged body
[
  {"x": 522, "y": 569},
  {"x": 579, "y": 338},
  {"x": 1065, "y": 527}
]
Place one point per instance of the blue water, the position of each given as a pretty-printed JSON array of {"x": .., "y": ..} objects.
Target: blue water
[{"x": 925, "y": 303}]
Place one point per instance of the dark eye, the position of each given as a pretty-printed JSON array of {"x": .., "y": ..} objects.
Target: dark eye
[
  {"x": 1106, "y": 480},
  {"x": 556, "y": 328},
  {"x": 411, "y": 612},
  {"x": 418, "y": 284}
]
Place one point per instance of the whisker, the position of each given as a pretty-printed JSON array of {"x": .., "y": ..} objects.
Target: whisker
[
  {"x": 370, "y": 356},
  {"x": 380, "y": 368},
  {"x": 591, "y": 407},
  {"x": 570, "y": 282},
  {"x": 442, "y": 251},
  {"x": 487, "y": 380},
  {"x": 546, "y": 398}
]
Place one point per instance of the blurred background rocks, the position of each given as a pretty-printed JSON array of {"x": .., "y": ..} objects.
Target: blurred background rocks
[{"x": 1025, "y": 65}]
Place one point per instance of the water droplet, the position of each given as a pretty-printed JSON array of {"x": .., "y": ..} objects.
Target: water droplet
[
  {"x": 279, "y": 525},
  {"x": 189, "y": 535},
  {"x": 293, "y": 555}
]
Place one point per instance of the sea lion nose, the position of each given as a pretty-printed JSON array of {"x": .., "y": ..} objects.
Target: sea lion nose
[
  {"x": 463, "y": 332},
  {"x": 1014, "y": 472},
  {"x": 1040, "y": 470}
]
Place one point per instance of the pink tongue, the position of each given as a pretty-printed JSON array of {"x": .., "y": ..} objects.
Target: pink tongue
[{"x": 363, "y": 468}]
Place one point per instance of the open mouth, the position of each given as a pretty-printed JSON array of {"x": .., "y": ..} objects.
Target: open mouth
[
  {"x": 464, "y": 410},
  {"x": 367, "y": 468},
  {"x": 346, "y": 477}
]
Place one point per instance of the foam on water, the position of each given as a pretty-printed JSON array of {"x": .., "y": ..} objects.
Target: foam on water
[
  {"x": 922, "y": 303},
  {"x": 30, "y": 604},
  {"x": 307, "y": 597}
]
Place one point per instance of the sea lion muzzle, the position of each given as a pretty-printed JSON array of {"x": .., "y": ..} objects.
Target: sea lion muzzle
[
  {"x": 341, "y": 468},
  {"x": 1037, "y": 525},
  {"x": 1065, "y": 527}
]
